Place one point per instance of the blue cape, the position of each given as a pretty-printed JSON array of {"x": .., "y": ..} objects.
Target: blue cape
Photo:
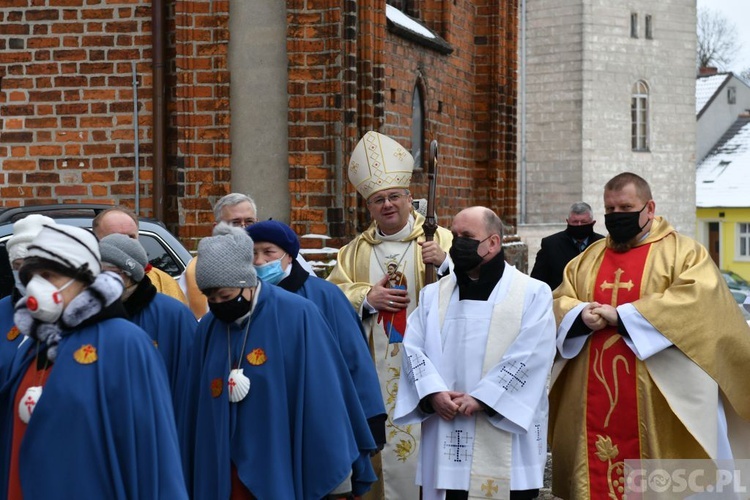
[
  {"x": 171, "y": 325},
  {"x": 348, "y": 332},
  {"x": 293, "y": 435},
  {"x": 100, "y": 430},
  {"x": 8, "y": 348}
]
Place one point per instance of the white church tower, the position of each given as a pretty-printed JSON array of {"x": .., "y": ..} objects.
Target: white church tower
[{"x": 605, "y": 86}]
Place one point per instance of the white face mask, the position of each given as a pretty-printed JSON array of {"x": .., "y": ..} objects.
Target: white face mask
[
  {"x": 45, "y": 301},
  {"x": 19, "y": 284}
]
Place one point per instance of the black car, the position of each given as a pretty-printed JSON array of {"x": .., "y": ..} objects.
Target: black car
[{"x": 164, "y": 250}]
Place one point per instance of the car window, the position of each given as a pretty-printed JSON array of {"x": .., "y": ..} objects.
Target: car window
[{"x": 159, "y": 256}]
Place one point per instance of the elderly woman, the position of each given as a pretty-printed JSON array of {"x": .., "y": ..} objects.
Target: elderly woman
[{"x": 86, "y": 411}]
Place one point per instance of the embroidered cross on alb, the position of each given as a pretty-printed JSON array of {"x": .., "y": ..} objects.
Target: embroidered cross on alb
[
  {"x": 458, "y": 446},
  {"x": 513, "y": 376},
  {"x": 417, "y": 365}
]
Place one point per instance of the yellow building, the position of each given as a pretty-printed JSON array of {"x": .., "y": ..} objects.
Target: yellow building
[{"x": 725, "y": 231}]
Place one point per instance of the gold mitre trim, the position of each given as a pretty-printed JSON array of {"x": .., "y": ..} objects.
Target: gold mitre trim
[{"x": 377, "y": 163}]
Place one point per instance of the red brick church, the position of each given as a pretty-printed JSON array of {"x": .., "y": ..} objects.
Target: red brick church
[{"x": 93, "y": 91}]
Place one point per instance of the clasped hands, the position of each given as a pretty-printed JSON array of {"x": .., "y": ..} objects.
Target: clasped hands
[
  {"x": 448, "y": 404},
  {"x": 597, "y": 316}
]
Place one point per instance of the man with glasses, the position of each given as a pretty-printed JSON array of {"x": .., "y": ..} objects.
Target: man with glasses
[
  {"x": 394, "y": 245},
  {"x": 238, "y": 210},
  {"x": 560, "y": 248}
]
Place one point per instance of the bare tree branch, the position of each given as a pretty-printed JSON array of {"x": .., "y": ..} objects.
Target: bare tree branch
[{"x": 717, "y": 40}]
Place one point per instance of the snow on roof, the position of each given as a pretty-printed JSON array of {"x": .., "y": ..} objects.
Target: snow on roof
[
  {"x": 723, "y": 177},
  {"x": 706, "y": 87},
  {"x": 399, "y": 18}
]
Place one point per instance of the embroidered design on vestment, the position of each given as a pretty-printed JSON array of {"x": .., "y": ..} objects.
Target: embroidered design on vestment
[
  {"x": 598, "y": 368},
  {"x": 458, "y": 446},
  {"x": 513, "y": 376},
  {"x": 417, "y": 365},
  {"x": 489, "y": 488},
  {"x": 607, "y": 452}
]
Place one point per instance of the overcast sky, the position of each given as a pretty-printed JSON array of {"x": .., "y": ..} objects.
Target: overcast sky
[{"x": 737, "y": 11}]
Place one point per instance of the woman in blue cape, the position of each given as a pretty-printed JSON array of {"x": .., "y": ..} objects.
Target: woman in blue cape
[
  {"x": 264, "y": 411},
  {"x": 86, "y": 410}
]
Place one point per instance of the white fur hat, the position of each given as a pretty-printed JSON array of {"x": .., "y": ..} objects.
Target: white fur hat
[
  {"x": 24, "y": 231},
  {"x": 378, "y": 163}
]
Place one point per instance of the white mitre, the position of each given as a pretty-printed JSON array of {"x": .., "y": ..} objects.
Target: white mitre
[{"x": 377, "y": 163}]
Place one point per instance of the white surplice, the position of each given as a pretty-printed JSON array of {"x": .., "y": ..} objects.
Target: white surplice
[{"x": 452, "y": 357}]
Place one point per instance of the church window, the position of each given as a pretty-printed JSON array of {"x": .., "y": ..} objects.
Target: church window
[
  {"x": 639, "y": 115},
  {"x": 743, "y": 240},
  {"x": 417, "y": 127},
  {"x": 633, "y": 25},
  {"x": 404, "y": 6},
  {"x": 649, "y": 27}
]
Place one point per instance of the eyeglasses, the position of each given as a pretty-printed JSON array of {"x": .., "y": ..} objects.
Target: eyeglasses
[
  {"x": 243, "y": 223},
  {"x": 393, "y": 198}
]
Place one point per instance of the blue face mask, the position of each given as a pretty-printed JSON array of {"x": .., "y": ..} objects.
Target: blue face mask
[{"x": 271, "y": 272}]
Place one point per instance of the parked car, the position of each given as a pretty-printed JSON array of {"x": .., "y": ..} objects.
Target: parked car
[
  {"x": 164, "y": 250},
  {"x": 738, "y": 285}
]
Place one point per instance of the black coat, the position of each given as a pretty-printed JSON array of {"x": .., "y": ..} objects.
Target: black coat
[{"x": 557, "y": 250}]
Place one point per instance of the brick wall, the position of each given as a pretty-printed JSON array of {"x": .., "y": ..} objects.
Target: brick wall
[
  {"x": 198, "y": 141},
  {"x": 66, "y": 105},
  {"x": 470, "y": 104},
  {"x": 66, "y": 101}
]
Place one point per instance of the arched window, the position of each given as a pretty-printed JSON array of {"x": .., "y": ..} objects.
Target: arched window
[
  {"x": 417, "y": 127},
  {"x": 639, "y": 108}
]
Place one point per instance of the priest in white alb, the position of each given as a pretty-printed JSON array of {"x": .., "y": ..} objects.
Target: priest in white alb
[{"x": 477, "y": 354}]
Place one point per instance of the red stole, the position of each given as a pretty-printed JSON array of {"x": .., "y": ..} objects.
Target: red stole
[{"x": 612, "y": 433}]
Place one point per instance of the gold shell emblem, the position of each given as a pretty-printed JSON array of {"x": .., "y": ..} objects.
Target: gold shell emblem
[
  {"x": 13, "y": 333},
  {"x": 257, "y": 357},
  {"x": 86, "y": 354},
  {"x": 217, "y": 386}
]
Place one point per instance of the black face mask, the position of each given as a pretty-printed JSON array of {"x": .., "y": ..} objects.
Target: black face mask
[
  {"x": 623, "y": 226},
  {"x": 580, "y": 232},
  {"x": 464, "y": 253},
  {"x": 232, "y": 309}
]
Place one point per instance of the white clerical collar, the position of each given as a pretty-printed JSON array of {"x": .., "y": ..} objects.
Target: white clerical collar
[{"x": 400, "y": 235}]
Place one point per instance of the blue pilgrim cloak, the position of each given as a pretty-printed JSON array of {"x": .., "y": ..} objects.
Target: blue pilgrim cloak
[
  {"x": 292, "y": 436},
  {"x": 348, "y": 332},
  {"x": 102, "y": 429},
  {"x": 8, "y": 341},
  {"x": 171, "y": 325}
]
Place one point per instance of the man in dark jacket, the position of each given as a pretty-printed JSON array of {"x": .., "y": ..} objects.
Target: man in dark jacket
[{"x": 560, "y": 248}]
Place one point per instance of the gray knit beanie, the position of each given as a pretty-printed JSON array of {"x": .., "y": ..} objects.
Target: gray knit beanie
[
  {"x": 225, "y": 260},
  {"x": 125, "y": 253}
]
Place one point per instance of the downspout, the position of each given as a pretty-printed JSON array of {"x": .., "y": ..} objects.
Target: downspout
[
  {"x": 137, "y": 146},
  {"x": 522, "y": 75},
  {"x": 158, "y": 27}
]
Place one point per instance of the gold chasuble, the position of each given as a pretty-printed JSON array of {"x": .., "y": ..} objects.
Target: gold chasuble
[
  {"x": 361, "y": 263},
  {"x": 606, "y": 405}
]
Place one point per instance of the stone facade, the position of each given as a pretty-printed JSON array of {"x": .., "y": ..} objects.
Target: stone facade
[{"x": 582, "y": 63}]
